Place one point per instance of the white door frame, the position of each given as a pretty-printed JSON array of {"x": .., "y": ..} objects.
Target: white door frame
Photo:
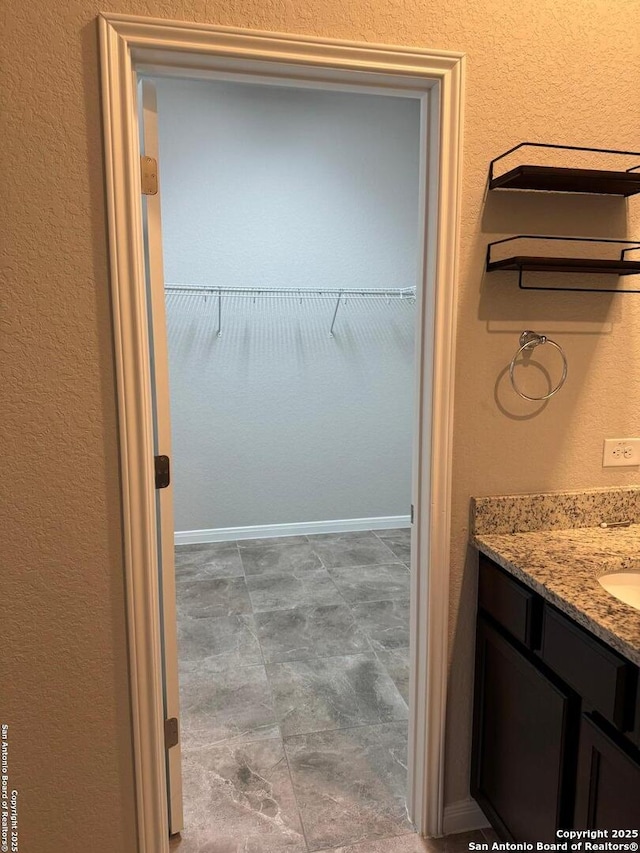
[{"x": 133, "y": 45}]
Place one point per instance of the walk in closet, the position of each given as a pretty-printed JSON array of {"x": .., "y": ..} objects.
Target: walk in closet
[
  {"x": 276, "y": 201},
  {"x": 290, "y": 238}
]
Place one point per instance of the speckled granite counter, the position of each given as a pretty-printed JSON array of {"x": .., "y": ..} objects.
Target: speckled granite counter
[{"x": 554, "y": 545}]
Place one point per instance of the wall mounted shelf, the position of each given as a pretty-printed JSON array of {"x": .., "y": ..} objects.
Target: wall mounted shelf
[
  {"x": 387, "y": 294},
  {"x": 534, "y": 263},
  {"x": 340, "y": 295},
  {"x": 543, "y": 263},
  {"x": 567, "y": 179}
]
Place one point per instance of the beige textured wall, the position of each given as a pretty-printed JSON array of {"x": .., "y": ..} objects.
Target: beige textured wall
[{"x": 539, "y": 69}]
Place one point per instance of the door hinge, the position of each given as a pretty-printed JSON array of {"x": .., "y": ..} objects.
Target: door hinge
[
  {"x": 163, "y": 473},
  {"x": 149, "y": 175},
  {"x": 170, "y": 732},
  {"x": 411, "y": 513}
]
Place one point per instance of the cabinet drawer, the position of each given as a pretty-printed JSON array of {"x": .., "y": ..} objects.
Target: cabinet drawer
[
  {"x": 596, "y": 672},
  {"x": 509, "y": 602}
]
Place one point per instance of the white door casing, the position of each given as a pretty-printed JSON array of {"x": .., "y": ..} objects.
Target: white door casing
[
  {"x": 131, "y": 46},
  {"x": 152, "y": 225}
]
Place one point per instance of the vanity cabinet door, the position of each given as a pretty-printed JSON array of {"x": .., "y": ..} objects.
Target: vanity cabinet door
[
  {"x": 608, "y": 785},
  {"x": 635, "y": 734},
  {"x": 523, "y": 725}
]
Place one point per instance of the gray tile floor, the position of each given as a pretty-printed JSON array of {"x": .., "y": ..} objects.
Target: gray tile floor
[{"x": 294, "y": 681}]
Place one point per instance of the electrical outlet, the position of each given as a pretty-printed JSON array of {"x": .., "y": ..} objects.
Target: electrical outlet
[{"x": 620, "y": 452}]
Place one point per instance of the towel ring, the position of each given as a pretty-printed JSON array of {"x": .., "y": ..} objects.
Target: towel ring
[{"x": 530, "y": 340}]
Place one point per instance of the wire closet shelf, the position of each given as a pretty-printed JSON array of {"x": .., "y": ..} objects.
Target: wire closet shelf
[{"x": 337, "y": 294}]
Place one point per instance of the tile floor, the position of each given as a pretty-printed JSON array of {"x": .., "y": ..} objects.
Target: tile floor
[{"x": 294, "y": 679}]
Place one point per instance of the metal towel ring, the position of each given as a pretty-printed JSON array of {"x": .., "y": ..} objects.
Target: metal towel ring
[{"x": 530, "y": 340}]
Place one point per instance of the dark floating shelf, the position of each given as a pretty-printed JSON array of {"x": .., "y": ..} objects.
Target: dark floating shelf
[
  {"x": 545, "y": 263},
  {"x": 534, "y": 263},
  {"x": 568, "y": 180},
  {"x": 565, "y": 180}
]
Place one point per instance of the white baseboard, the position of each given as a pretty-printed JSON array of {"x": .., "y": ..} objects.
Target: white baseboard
[
  {"x": 463, "y": 816},
  {"x": 301, "y": 528}
]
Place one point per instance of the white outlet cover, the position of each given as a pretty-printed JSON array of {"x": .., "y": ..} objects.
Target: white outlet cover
[{"x": 621, "y": 452}]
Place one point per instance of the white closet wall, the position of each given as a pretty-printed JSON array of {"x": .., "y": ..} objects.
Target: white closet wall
[{"x": 275, "y": 422}]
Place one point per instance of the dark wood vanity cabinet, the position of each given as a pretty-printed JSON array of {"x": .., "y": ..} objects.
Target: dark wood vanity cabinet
[{"x": 554, "y": 718}]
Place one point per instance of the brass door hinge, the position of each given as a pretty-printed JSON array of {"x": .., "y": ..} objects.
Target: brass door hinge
[
  {"x": 170, "y": 732},
  {"x": 149, "y": 175}
]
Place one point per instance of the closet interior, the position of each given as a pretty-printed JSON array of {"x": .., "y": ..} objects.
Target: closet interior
[{"x": 290, "y": 239}]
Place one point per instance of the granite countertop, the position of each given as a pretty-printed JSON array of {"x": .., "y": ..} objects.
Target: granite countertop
[{"x": 563, "y": 563}]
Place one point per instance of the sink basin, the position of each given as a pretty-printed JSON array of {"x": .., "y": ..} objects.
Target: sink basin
[{"x": 624, "y": 585}]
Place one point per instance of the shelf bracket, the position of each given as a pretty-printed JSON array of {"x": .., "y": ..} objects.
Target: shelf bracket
[{"x": 335, "y": 314}]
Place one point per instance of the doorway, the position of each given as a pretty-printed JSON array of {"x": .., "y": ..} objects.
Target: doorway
[
  {"x": 153, "y": 47},
  {"x": 290, "y": 237}
]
